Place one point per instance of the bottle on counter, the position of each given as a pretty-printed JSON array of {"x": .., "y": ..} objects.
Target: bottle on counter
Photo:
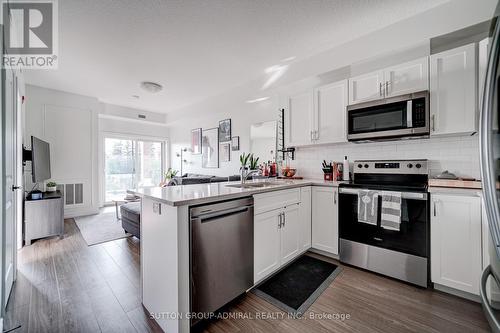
[{"x": 345, "y": 174}]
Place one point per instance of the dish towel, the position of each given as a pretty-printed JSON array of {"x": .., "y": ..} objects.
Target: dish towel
[
  {"x": 391, "y": 210},
  {"x": 367, "y": 207}
]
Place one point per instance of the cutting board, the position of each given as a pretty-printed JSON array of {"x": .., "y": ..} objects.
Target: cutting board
[{"x": 456, "y": 183}]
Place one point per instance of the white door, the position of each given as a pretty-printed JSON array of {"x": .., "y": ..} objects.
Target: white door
[
  {"x": 325, "y": 225},
  {"x": 300, "y": 119},
  {"x": 267, "y": 245},
  {"x": 290, "y": 232},
  {"x": 305, "y": 218},
  {"x": 366, "y": 87},
  {"x": 454, "y": 91},
  {"x": 330, "y": 112},
  {"x": 10, "y": 183},
  {"x": 456, "y": 242},
  {"x": 407, "y": 78}
]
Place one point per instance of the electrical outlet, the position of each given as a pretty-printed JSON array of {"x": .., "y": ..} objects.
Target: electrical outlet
[{"x": 157, "y": 208}]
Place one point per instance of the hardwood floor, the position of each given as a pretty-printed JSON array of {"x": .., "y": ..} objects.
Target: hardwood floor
[{"x": 67, "y": 286}]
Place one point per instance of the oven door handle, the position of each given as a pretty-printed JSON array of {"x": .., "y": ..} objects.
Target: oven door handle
[{"x": 404, "y": 195}]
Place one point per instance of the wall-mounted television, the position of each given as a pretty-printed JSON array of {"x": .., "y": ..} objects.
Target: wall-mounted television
[{"x": 40, "y": 160}]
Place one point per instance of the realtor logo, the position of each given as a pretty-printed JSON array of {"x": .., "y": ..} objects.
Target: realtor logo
[{"x": 30, "y": 33}]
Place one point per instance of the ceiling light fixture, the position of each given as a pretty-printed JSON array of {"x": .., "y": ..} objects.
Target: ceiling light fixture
[
  {"x": 136, "y": 96},
  {"x": 151, "y": 87},
  {"x": 260, "y": 99}
]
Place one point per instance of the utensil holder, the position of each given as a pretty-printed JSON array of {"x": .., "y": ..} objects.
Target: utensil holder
[{"x": 328, "y": 176}]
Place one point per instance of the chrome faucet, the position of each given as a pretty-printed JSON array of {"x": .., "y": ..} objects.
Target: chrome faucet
[{"x": 245, "y": 174}]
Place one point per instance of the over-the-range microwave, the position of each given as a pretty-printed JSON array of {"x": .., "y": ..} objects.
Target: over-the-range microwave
[{"x": 402, "y": 116}]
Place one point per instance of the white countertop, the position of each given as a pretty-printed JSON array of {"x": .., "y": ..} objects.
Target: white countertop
[{"x": 210, "y": 192}]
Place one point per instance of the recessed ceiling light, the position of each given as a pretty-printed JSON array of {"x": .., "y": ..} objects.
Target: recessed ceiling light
[
  {"x": 151, "y": 87},
  {"x": 136, "y": 96},
  {"x": 260, "y": 99}
]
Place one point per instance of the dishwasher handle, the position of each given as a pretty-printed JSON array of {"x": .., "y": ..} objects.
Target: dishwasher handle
[{"x": 221, "y": 213}]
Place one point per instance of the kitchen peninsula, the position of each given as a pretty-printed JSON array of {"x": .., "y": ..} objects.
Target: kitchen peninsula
[{"x": 165, "y": 235}]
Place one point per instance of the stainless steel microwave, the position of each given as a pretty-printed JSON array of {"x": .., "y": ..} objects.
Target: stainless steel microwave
[{"x": 389, "y": 118}]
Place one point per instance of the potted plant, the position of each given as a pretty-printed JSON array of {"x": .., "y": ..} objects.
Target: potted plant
[
  {"x": 171, "y": 173},
  {"x": 51, "y": 187}
]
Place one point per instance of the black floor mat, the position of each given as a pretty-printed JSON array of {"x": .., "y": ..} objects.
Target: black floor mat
[{"x": 297, "y": 286}]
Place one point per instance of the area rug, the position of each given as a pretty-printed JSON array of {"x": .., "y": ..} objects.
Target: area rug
[
  {"x": 100, "y": 228},
  {"x": 295, "y": 288}
]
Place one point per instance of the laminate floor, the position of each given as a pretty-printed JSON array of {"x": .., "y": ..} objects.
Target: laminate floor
[{"x": 66, "y": 286}]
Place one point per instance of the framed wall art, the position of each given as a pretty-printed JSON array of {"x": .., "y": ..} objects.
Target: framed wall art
[
  {"x": 225, "y": 130},
  {"x": 235, "y": 143},
  {"x": 196, "y": 141},
  {"x": 210, "y": 148}
]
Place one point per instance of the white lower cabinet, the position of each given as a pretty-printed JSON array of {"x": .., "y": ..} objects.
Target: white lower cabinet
[
  {"x": 305, "y": 218},
  {"x": 267, "y": 236},
  {"x": 325, "y": 224},
  {"x": 456, "y": 258},
  {"x": 290, "y": 231}
]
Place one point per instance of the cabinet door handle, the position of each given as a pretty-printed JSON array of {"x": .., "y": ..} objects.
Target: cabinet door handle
[
  {"x": 435, "y": 210},
  {"x": 433, "y": 122},
  {"x": 316, "y": 135},
  {"x": 386, "y": 88},
  {"x": 380, "y": 89},
  {"x": 284, "y": 219},
  {"x": 279, "y": 221},
  {"x": 335, "y": 197}
]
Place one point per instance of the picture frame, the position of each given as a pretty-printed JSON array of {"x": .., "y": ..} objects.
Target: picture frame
[
  {"x": 235, "y": 143},
  {"x": 225, "y": 130},
  {"x": 225, "y": 151},
  {"x": 210, "y": 148},
  {"x": 196, "y": 141}
]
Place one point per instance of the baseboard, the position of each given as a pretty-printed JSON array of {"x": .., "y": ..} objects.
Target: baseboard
[
  {"x": 324, "y": 253},
  {"x": 458, "y": 293},
  {"x": 77, "y": 212}
]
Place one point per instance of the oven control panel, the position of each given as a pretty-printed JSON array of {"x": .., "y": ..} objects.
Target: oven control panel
[{"x": 418, "y": 167}]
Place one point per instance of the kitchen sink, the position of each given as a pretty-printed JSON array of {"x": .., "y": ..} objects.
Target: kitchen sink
[{"x": 254, "y": 185}]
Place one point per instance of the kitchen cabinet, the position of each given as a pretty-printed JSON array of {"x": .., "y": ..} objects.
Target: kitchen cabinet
[
  {"x": 456, "y": 259},
  {"x": 276, "y": 240},
  {"x": 329, "y": 116},
  {"x": 325, "y": 224},
  {"x": 267, "y": 235},
  {"x": 317, "y": 116},
  {"x": 277, "y": 231},
  {"x": 366, "y": 87},
  {"x": 305, "y": 218},
  {"x": 405, "y": 78},
  {"x": 290, "y": 231},
  {"x": 299, "y": 119},
  {"x": 453, "y": 88}
]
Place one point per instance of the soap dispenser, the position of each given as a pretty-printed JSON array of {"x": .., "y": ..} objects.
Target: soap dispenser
[{"x": 345, "y": 173}]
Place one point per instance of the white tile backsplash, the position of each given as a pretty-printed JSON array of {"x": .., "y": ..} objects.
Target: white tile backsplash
[{"x": 458, "y": 154}]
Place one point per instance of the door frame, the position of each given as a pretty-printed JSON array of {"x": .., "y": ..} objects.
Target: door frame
[{"x": 125, "y": 136}]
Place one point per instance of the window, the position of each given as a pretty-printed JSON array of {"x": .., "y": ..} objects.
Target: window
[{"x": 130, "y": 164}]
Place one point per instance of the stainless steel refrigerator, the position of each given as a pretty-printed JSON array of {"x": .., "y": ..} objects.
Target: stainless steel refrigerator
[{"x": 490, "y": 172}]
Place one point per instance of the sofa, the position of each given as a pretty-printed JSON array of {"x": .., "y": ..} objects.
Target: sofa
[{"x": 131, "y": 212}]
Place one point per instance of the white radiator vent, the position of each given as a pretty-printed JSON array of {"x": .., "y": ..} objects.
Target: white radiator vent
[{"x": 73, "y": 193}]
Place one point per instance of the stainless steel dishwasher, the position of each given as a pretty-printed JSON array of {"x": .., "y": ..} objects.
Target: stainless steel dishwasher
[{"x": 221, "y": 253}]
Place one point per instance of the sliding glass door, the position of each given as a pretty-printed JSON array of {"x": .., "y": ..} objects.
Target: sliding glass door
[{"x": 131, "y": 163}]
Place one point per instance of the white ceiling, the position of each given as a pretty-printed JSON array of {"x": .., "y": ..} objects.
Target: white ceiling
[{"x": 197, "y": 48}]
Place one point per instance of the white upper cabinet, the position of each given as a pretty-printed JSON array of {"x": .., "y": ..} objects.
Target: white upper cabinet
[
  {"x": 366, "y": 87},
  {"x": 325, "y": 224},
  {"x": 330, "y": 102},
  {"x": 396, "y": 80},
  {"x": 407, "y": 78},
  {"x": 454, "y": 91},
  {"x": 299, "y": 119},
  {"x": 456, "y": 259}
]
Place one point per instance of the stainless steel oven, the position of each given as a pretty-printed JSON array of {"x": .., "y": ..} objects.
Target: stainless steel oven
[
  {"x": 395, "y": 117},
  {"x": 402, "y": 253}
]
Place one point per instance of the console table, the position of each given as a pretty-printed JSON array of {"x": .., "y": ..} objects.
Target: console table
[{"x": 43, "y": 217}]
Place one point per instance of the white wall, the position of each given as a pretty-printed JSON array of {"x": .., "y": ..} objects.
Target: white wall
[
  {"x": 72, "y": 126},
  {"x": 405, "y": 40}
]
